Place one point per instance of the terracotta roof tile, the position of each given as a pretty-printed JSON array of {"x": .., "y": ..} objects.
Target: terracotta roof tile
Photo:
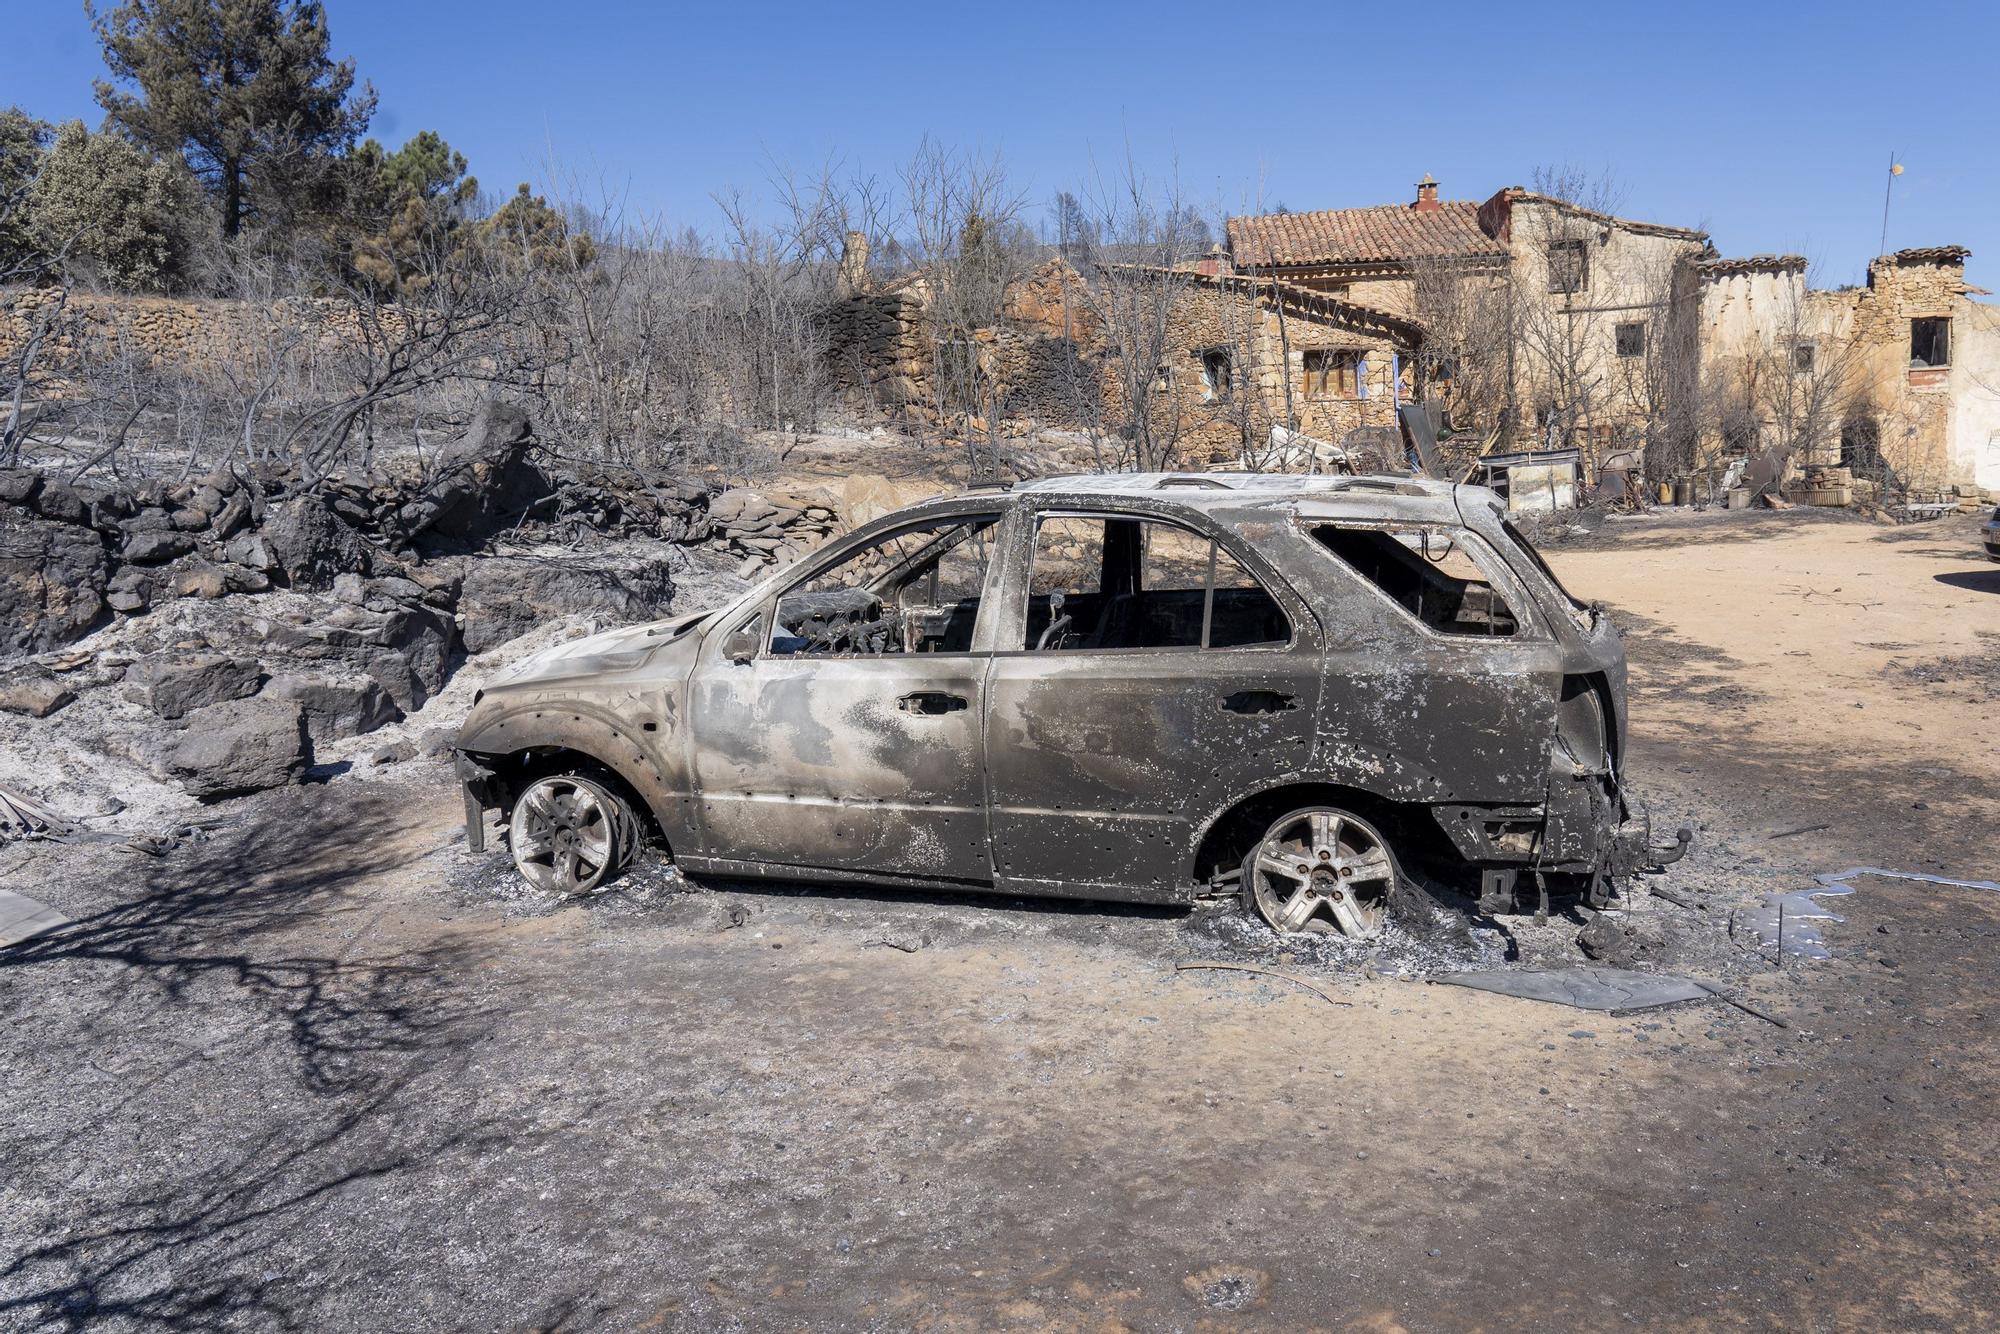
[{"x": 1385, "y": 233}]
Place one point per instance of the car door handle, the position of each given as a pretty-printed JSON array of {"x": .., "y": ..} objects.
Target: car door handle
[
  {"x": 1259, "y": 701},
  {"x": 930, "y": 702}
]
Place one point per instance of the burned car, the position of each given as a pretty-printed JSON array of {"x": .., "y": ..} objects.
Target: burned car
[{"x": 1144, "y": 687}]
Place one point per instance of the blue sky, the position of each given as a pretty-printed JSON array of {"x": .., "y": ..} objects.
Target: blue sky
[{"x": 1769, "y": 124}]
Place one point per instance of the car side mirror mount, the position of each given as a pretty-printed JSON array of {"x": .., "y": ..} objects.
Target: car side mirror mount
[{"x": 741, "y": 646}]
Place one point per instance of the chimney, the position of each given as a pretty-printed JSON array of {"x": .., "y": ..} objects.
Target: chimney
[
  {"x": 1427, "y": 195},
  {"x": 852, "y": 276}
]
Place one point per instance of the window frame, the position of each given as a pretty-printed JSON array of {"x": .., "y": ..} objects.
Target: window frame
[
  {"x": 767, "y": 606},
  {"x": 1804, "y": 364},
  {"x": 1336, "y": 366},
  {"x": 1217, "y": 547},
  {"x": 1211, "y": 392},
  {"x": 1941, "y": 326},
  {"x": 1618, "y": 337},
  {"x": 1528, "y": 623},
  {"x": 1571, "y": 245}
]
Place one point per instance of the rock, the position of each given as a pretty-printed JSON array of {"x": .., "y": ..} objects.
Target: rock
[
  {"x": 394, "y": 753},
  {"x": 241, "y": 746},
  {"x": 35, "y": 693},
  {"x": 506, "y": 596},
  {"x": 155, "y": 548},
  {"x": 60, "y": 501},
  {"x": 199, "y": 579},
  {"x": 1608, "y": 938},
  {"x": 175, "y": 685},
  {"x": 437, "y": 743},
  {"x": 234, "y": 513},
  {"x": 479, "y": 477},
  {"x": 395, "y": 589},
  {"x": 148, "y": 521},
  {"x": 241, "y": 580},
  {"x": 252, "y": 552},
  {"x": 188, "y": 521},
  {"x": 407, "y": 651},
  {"x": 347, "y": 587},
  {"x": 129, "y": 604},
  {"x": 336, "y": 710},
  {"x": 311, "y": 545},
  {"x": 52, "y": 579},
  {"x": 18, "y": 486}
]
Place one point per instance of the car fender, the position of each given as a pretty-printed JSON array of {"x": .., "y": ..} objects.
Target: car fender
[
  {"x": 593, "y": 731},
  {"x": 1384, "y": 777}
]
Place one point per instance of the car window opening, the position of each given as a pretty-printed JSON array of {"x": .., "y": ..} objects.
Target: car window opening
[
  {"x": 1111, "y": 583},
  {"x": 1429, "y": 572},
  {"x": 915, "y": 591}
]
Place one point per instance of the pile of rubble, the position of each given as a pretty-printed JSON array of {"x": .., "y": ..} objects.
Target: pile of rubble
[{"x": 769, "y": 528}]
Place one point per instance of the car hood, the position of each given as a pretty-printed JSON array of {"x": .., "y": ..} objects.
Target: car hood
[{"x": 610, "y": 651}]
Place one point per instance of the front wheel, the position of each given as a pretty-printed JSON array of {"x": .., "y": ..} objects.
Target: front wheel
[
  {"x": 1321, "y": 870},
  {"x": 570, "y": 834}
]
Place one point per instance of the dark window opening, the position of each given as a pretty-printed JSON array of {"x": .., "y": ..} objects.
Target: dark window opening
[
  {"x": 1631, "y": 339},
  {"x": 1930, "y": 342},
  {"x": 1802, "y": 358},
  {"x": 1427, "y": 572},
  {"x": 1100, "y": 583},
  {"x": 1215, "y": 375},
  {"x": 1569, "y": 266}
]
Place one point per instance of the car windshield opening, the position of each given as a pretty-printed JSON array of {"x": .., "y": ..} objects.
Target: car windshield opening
[{"x": 914, "y": 591}]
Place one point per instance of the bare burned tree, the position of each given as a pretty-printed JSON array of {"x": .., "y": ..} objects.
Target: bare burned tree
[
  {"x": 1465, "y": 361},
  {"x": 1561, "y": 330},
  {"x": 1134, "y": 249},
  {"x": 963, "y": 234}
]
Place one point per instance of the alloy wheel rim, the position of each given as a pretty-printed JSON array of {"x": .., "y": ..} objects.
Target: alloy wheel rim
[
  {"x": 1323, "y": 871},
  {"x": 564, "y": 834}
]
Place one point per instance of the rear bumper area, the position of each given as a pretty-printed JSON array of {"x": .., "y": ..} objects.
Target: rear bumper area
[{"x": 1588, "y": 832}]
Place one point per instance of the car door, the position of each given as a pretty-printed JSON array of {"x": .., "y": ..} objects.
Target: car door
[
  {"x": 1150, "y": 672},
  {"x": 845, "y": 733}
]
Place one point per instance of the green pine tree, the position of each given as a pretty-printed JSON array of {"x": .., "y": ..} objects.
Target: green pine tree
[
  {"x": 406, "y": 210},
  {"x": 243, "y": 91}
]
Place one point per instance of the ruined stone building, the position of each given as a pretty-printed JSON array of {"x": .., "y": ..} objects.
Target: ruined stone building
[
  {"x": 1537, "y": 323},
  {"x": 1622, "y": 328},
  {"x": 1218, "y": 358}
]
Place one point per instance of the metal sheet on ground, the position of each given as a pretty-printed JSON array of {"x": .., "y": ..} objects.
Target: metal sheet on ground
[
  {"x": 22, "y": 917},
  {"x": 1584, "y": 988}
]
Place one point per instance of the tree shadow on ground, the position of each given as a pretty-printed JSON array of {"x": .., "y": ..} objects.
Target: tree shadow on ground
[{"x": 145, "y": 1201}]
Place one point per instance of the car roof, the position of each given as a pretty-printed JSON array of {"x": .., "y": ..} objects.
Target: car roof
[{"x": 1334, "y": 495}]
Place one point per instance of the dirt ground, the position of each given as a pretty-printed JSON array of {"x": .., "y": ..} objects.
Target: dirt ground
[{"x": 327, "y": 1071}]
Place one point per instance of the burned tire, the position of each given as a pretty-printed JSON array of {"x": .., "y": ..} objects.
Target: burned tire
[
  {"x": 571, "y": 834},
  {"x": 1324, "y": 871}
]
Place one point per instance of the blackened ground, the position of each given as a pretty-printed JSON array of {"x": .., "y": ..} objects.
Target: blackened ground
[{"x": 325, "y": 1071}]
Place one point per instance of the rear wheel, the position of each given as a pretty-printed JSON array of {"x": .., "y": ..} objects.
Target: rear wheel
[
  {"x": 1321, "y": 870},
  {"x": 570, "y": 834}
]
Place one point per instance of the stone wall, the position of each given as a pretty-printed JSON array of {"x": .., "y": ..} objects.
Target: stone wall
[
  {"x": 1047, "y": 363},
  {"x": 155, "y": 329}
]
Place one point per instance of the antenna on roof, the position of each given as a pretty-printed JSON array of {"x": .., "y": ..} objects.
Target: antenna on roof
[{"x": 1895, "y": 170}]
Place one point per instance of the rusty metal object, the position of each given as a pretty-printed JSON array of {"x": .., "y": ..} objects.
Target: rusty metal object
[{"x": 953, "y": 698}]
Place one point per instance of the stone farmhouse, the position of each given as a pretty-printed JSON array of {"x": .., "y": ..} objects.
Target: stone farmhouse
[{"x": 1535, "y": 322}]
